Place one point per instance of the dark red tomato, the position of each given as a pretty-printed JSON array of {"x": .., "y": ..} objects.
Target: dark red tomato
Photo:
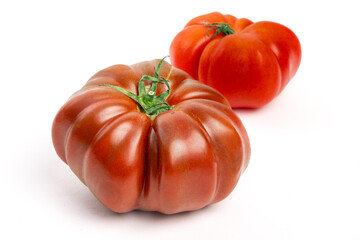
[
  {"x": 138, "y": 145},
  {"x": 249, "y": 63}
]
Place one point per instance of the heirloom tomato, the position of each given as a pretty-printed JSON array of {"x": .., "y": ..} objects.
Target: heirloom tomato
[
  {"x": 249, "y": 63},
  {"x": 149, "y": 137}
]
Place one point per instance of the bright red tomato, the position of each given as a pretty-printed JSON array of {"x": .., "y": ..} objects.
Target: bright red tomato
[
  {"x": 249, "y": 63},
  {"x": 138, "y": 145}
]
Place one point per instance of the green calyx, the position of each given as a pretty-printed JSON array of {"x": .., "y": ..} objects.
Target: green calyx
[
  {"x": 148, "y": 102},
  {"x": 220, "y": 28}
]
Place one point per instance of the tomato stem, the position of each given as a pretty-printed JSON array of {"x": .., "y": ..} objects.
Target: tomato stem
[
  {"x": 220, "y": 28},
  {"x": 148, "y": 102}
]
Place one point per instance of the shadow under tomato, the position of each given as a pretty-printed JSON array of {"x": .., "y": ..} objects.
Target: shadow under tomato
[{"x": 157, "y": 216}]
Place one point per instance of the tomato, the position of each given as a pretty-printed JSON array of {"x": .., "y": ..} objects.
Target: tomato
[
  {"x": 249, "y": 63},
  {"x": 136, "y": 144}
]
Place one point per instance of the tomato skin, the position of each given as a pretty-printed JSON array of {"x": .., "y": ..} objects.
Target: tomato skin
[
  {"x": 182, "y": 160},
  {"x": 250, "y": 67}
]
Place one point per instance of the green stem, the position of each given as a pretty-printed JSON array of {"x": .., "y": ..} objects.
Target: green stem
[
  {"x": 148, "y": 102},
  {"x": 220, "y": 28}
]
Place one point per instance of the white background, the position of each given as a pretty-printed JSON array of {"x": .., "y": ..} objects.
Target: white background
[{"x": 303, "y": 181}]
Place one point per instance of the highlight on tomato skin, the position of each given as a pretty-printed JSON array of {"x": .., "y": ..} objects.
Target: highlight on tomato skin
[
  {"x": 250, "y": 63},
  {"x": 161, "y": 142}
]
